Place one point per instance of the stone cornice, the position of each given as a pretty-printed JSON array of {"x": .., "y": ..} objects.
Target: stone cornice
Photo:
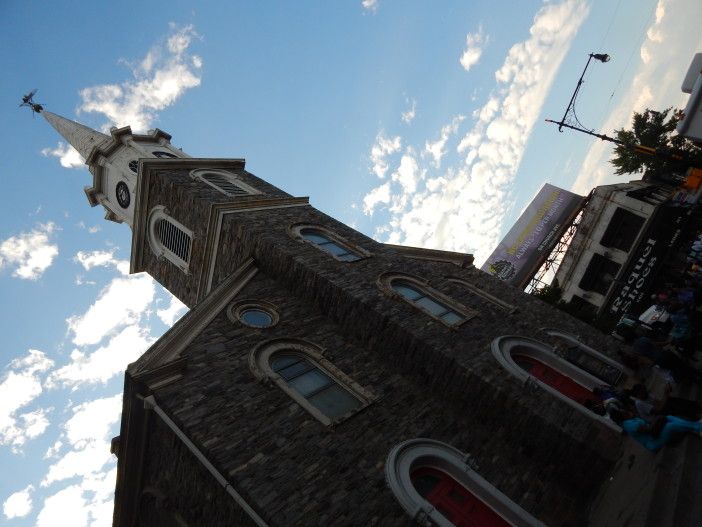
[
  {"x": 460, "y": 259},
  {"x": 119, "y": 137}
]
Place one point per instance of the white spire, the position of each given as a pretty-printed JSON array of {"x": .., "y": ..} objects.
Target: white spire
[{"x": 81, "y": 137}]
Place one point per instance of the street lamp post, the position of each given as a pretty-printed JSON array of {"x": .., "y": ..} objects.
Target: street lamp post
[
  {"x": 602, "y": 57},
  {"x": 639, "y": 149}
]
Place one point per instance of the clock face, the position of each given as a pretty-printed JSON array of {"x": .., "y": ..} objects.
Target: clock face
[{"x": 123, "y": 196}]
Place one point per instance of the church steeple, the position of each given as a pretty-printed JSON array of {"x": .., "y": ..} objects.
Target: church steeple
[
  {"x": 114, "y": 161},
  {"x": 79, "y": 136}
]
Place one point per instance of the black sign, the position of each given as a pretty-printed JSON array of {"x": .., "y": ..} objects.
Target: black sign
[{"x": 634, "y": 284}]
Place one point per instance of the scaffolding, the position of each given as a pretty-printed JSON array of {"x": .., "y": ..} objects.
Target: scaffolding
[{"x": 545, "y": 274}]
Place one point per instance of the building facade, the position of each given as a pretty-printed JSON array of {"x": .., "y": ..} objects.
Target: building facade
[
  {"x": 323, "y": 378},
  {"x": 626, "y": 232}
]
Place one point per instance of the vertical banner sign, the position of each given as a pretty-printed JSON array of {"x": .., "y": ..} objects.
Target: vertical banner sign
[
  {"x": 531, "y": 239},
  {"x": 630, "y": 293}
]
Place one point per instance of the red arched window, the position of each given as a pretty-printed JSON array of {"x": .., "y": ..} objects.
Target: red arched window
[
  {"x": 456, "y": 503},
  {"x": 554, "y": 378}
]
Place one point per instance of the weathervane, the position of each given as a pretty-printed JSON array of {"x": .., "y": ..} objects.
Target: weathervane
[{"x": 28, "y": 100}]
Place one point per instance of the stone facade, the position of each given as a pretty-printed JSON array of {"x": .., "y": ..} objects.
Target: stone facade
[{"x": 427, "y": 379}]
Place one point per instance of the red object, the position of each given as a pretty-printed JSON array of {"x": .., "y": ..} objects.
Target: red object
[
  {"x": 554, "y": 379},
  {"x": 456, "y": 503}
]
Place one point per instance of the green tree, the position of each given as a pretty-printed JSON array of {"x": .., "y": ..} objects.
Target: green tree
[
  {"x": 549, "y": 293},
  {"x": 656, "y": 130}
]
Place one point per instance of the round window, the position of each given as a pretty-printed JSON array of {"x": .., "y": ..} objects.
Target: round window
[
  {"x": 134, "y": 165},
  {"x": 161, "y": 153},
  {"x": 256, "y": 317}
]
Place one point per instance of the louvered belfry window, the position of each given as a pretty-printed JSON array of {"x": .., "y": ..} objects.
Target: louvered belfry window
[
  {"x": 174, "y": 239},
  {"x": 223, "y": 183}
]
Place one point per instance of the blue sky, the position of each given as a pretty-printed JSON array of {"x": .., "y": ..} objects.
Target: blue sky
[{"x": 416, "y": 122}]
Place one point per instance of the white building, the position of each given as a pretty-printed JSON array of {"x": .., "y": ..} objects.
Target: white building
[{"x": 625, "y": 233}]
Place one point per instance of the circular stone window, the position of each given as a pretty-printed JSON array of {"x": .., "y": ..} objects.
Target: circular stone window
[
  {"x": 134, "y": 165},
  {"x": 254, "y": 314},
  {"x": 256, "y": 317},
  {"x": 123, "y": 196},
  {"x": 161, "y": 153}
]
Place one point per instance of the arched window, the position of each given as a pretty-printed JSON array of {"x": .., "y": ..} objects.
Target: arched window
[
  {"x": 163, "y": 154},
  {"x": 329, "y": 242},
  {"x": 299, "y": 369},
  {"x": 420, "y": 295},
  {"x": 312, "y": 383},
  {"x": 531, "y": 360},
  {"x": 169, "y": 239},
  {"x": 223, "y": 181},
  {"x": 570, "y": 348},
  {"x": 433, "y": 483}
]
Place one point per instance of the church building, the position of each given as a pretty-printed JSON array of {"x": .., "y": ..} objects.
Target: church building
[{"x": 324, "y": 378}]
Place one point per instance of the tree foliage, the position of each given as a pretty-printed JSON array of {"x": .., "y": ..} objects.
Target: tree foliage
[
  {"x": 656, "y": 130},
  {"x": 549, "y": 293}
]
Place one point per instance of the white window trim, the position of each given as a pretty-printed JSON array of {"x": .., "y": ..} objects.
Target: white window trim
[
  {"x": 385, "y": 284},
  {"x": 235, "y": 310},
  {"x": 259, "y": 363},
  {"x": 502, "y": 347},
  {"x": 484, "y": 294},
  {"x": 160, "y": 212},
  {"x": 296, "y": 232},
  {"x": 230, "y": 176},
  {"x": 416, "y": 453},
  {"x": 573, "y": 339}
]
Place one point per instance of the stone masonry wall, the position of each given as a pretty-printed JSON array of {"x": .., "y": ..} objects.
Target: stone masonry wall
[
  {"x": 188, "y": 201},
  {"x": 432, "y": 380},
  {"x": 190, "y": 491},
  {"x": 296, "y": 471}
]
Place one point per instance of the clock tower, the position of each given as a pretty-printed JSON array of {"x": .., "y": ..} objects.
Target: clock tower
[{"x": 113, "y": 161}]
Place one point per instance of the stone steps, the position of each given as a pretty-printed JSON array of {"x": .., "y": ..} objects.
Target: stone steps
[
  {"x": 675, "y": 498},
  {"x": 653, "y": 490}
]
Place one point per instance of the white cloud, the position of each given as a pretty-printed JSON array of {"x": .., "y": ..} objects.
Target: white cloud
[
  {"x": 87, "y": 431},
  {"x": 160, "y": 78},
  {"x": 173, "y": 312},
  {"x": 408, "y": 173},
  {"x": 437, "y": 149},
  {"x": 461, "y": 208},
  {"x": 381, "y": 150},
  {"x": 67, "y": 504},
  {"x": 665, "y": 54},
  {"x": 29, "y": 253},
  {"x": 90, "y": 259},
  {"x": 21, "y": 386},
  {"x": 408, "y": 116},
  {"x": 18, "y": 504},
  {"x": 123, "y": 302},
  {"x": 370, "y": 5},
  {"x": 475, "y": 44},
  {"x": 105, "y": 362},
  {"x": 54, "y": 449},
  {"x": 380, "y": 194},
  {"x": 68, "y": 156}
]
